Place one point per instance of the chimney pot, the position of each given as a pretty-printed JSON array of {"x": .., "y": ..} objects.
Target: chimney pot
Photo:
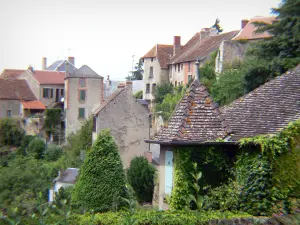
[
  {"x": 44, "y": 63},
  {"x": 71, "y": 59},
  {"x": 244, "y": 23}
]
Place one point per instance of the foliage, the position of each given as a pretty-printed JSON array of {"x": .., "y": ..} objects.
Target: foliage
[
  {"x": 217, "y": 26},
  {"x": 167, "y": 106},
  {"x": 78, "y": 142},
  {"x": 195, "y": 197},
  {"x": 158, "y": 217},
  {"x": 23, "y": 149},
  {"x": 37, "y": 148},
  {"x": 53, "y": 153},
  {"x": 282, "y": 50},
  {"x": 139, "y": 95},
  {"x": 52, "y": 119},
  {"x": 10, "y": 132},
  {"x": 140, "y": 176},
  {"x": 137, "y": 73},
  {"x": 101, "y": 179},
  {"x": 161, "y": 90}
]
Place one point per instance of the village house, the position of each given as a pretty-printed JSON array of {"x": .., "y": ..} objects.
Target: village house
[
  {"x": 128, "y": 120},
  {"x": 233, "y": 51},
  {"x": 198, "y": 121}
]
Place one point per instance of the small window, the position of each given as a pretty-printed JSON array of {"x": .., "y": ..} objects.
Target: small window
[
  {"x": 151, "y": 72},
  {"x": 94, "y": 123},
  {"x": 175, "y": 83},
  {"x": 147, "y": 88},
  {"x": 151, "y": 59},
  {"x": 46, "y": 93},
  {"x": 82, "y": 82},
  {"x": 181, "y": 66},
  {"x": 51, "y": 93},
  {"x": 81, "y": 113},
  {"x": 190, "y": 78},
  {"x": 82, "y": 95},
  {"x": 153, "y": 88},
  {"x": 62, "y": 92},
  {"x": 178, "y": 67},
  {"x": 189, "y": 67},
  {"x": 8, "y": 113},
  {"x": 175, "y": 67}
]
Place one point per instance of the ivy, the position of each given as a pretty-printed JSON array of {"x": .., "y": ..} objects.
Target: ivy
[{"x": 52, "y": 120}]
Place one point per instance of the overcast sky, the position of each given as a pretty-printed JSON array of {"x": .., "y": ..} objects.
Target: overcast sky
[{"x": 105, "y": 34}]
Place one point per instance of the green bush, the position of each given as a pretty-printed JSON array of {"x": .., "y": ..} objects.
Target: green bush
[
  {"x": 22, "y": 150},
  {"x": 53, "y": 153},
  {"x": 37, "y": 148},
  {"x": 10, "y": 132},
  {"x": 101, "y": 179},
  {"x": 139, "y": 95},
  {"x": 140, "y": 176}
]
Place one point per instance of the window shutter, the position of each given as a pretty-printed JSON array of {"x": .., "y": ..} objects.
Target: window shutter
[{"x": 51, "y": 93}]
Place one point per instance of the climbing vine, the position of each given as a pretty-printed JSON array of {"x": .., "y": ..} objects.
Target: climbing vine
[{"x": 52, "y": 119}]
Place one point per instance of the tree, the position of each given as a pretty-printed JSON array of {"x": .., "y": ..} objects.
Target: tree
[
  {"x": 282, "y": 51},
  {"x": 217, "y": 26},
  {"x": 140, "y": 176},
  {"x": 101, "y": 179},
  {"x": 161, "y": 90},
  {"x": 37, "y": 148},
  {"x": 137, "y": 73},
  {"x": 10, "y": 132},
  {"x": 53, "y": 153},
  {"x": 139, "y": 95},
  {"x": 52, "y": 120}
]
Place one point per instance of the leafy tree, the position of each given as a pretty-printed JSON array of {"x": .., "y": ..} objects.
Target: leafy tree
[
  {"x": 137, "y": 73},
  {"x": 161, "y": 90},
  {"x": 217, "y": 26},
  {"x": 37, "y": 148},
  {"x": 23, "y": 149},
  {"x": 101, "y": 179},
  {"x": 139, "y": 95},
  {"x": 10, "y": 132},
  {"x": 53, "y": 153},
  {"x": 52, "y": 120},
  {"x": 282, "y": 51},
  {"x": 140, "y": 176}
]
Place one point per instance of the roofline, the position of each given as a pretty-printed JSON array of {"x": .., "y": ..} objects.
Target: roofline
[
  {"x": 100, "y": 77},
  {"x": 191, "y": 142}
]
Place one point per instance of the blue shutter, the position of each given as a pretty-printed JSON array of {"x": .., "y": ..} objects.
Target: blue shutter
[{"x": 168, "y": 172}]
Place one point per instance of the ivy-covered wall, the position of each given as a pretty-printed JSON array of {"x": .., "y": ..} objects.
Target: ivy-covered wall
[{"x": 261, "y": 176}]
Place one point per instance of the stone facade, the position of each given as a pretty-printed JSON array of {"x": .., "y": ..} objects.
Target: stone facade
[
  {"x": 128, "y": 122},
  {"x": 13, "y": 105}
]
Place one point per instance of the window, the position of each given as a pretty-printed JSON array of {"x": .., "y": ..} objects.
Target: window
[
  {"x": 147, "y": 88},
  {"x": 189, "y": 66},
  {"x": 178, "y": 67},
  {"x": 47, "y": 93},
  {"x": 175, "y": 67},
  {"x": 175, "y": 83},
  {"x": 153, "y": 88},
  {"x": 82, "y": 95},
  {"x": 82, "y": 82},
  {"x": 61, "y": 92},
  {"x": 81, "y": 113},
  {"x": 94, "y": 123},
  {"x": 151, "y": 72},
  {"x": 189, "y": 78},
  {"x": 181, "y": 66},
  {"x": 8, "y": 113},
  {"x": 151, "y": 59}
]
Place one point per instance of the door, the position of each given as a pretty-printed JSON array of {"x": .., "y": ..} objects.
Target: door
[
  {"x": 57, "y": 95},
  {"x": 168, "y": 172}
]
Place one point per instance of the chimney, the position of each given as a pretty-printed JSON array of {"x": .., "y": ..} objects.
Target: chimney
[
  {"x": 176, "y": 44},
  {"x": 244, "y": 23},
  {"x": 205, "y": 32},
  {"x": 71, "y": 59},
  {"x": 121, "y": 85},
  {"x": 197, "y": 71},
  {"x": 148, "y": 156},
  {"x": 129, "y": 86},
  {"x": 213, "y": 32},
  {"x": 44, "y": 63},
  {"x": 30, "y": 68}
]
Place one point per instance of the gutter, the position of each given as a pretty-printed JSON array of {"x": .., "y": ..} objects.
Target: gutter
[{"x": 191, "y": 142}]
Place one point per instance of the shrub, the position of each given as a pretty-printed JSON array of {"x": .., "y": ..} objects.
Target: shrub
[
  {"x": 10, "y": 132},
  {"x": 22, "y": 150},
  {"x": 139, "y": 95},
  {"x": 140, "y": 176},
  {"x": 53, "y": 153},
  {"x": 101, "y": 179},
  {"x": 37, "y": 148}
]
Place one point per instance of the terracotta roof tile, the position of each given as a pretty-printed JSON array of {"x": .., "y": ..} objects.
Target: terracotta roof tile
[
  {"x": 162, "y": 52},
  {"x": 196, "y": 118},
  {"x": 11, "y": 73},
  {"x": 249, "y": 29},
  {"x": 35, "y": 104},
  {"x": 14, "y": 89},
  {"x": 266, "y": 109},
  {"x": 48, "y": 77}
]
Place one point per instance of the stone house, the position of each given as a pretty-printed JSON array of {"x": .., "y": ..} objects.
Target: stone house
[
  {"x": 232, "y": 51},
  {"x": 128, "y": 121},
  {"x": 198, "y": 121},
  {"x": 66, "y": 178}
]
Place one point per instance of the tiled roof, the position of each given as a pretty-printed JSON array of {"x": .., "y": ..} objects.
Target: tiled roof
[
  {"x": 35, "y": 104},
  {"x": 48, "y": 77},
  {"x": 162, "y": 52},
  {"x": 196, "y": 49},
  {"x": 267, "y": 109},
  {"x": 68, "y": 176},
  {"x": 61, "y": 65},
  {"x": 85, "y": 71},
  {"x": 196, "y": 118},
  {"x": 249, "y": 29},
  {"x": 54, "y": 66},
  {"x": 14, "y": 89},
  {"x": 11, "y": 73}
]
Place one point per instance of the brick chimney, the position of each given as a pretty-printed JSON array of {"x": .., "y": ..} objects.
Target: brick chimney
[
  {"x": 71, "y": 59},
  {"x": 121, "y": 85},
  {"x": 44, "y": 63},
  {"x": 148, "y": 156},
  {"x": 176, "y": 44},
  {"x": 129, "y": 86},
  {"x": 244, "y": 23},
  {"x": 205, "y": 32}
]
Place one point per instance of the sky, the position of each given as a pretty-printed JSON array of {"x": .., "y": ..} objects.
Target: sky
[{"x": 106, "y": 34}]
